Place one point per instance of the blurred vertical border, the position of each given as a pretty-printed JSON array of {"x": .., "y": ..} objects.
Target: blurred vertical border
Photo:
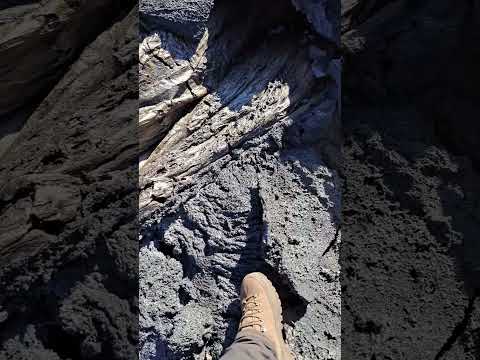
[{"x": 68, "y": 179}]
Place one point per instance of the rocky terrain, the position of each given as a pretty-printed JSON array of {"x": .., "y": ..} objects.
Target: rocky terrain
[
  {"x": 409, "y": 179},
  {"x": 239, "y": 121},
  {"x": 410, "y": 251},
  {"x": 331, "y": 145}
]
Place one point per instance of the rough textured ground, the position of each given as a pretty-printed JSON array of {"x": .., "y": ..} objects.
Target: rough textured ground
[
  {"x": 240, "y": 128},
  {"x": 410, "y": 251},
  {"x": 68, "y": 189},
  {"x": 229, "y": 189},
  {"x": 239, "y": 137}
]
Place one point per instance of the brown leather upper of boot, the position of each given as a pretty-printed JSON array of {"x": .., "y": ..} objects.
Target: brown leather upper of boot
[{"x": 262, "y": 312}]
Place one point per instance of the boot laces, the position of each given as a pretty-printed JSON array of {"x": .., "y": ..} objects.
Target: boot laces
[{"x": 251, "y": 314}]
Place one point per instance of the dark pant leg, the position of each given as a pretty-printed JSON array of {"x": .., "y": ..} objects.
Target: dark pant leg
[{"x": 250, "y": 345}]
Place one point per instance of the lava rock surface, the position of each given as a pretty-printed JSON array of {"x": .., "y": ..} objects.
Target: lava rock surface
[{"x": 240, "y": 131}]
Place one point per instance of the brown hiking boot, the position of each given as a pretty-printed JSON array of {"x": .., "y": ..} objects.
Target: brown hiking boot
[{"x": 262, "y": 312}]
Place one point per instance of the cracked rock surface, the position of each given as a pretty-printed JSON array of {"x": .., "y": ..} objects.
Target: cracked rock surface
[{"x": 239, "y": 128}]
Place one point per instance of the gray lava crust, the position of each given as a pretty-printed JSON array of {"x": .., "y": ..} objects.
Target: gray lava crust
[{"x": 240, "y": 132}]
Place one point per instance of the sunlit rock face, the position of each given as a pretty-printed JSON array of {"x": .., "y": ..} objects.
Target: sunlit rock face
[{"x": 239, "y": 133}]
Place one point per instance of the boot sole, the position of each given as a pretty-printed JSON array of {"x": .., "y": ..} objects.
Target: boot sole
[{"x": 276, "y": 304}]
